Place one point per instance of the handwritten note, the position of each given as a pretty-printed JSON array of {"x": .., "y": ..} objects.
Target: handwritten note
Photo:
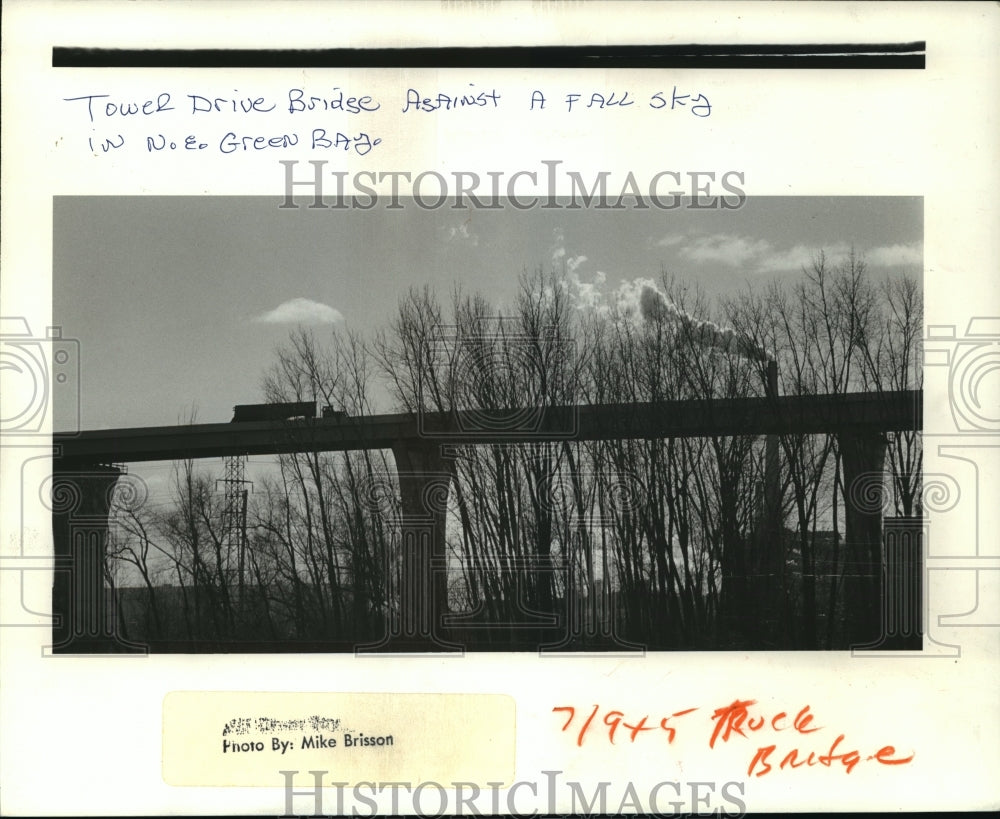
[
  {"x": 740, "y": 722},
  {"x": 332, "y": 119}
]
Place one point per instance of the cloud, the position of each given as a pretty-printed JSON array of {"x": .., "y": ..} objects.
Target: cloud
[
  {"x": 670, "y": 240},
  {"x": 761, "y": 256},
  {"x": 463, "y": 234},
  {"x": 587, "y": 295},
  {"x": 747, "y": 253},
  {"x": 558, "y": 245},
  {"x": 560, "y": 256},
  {"x": 799, "y": 256},
  {"x": 725, "y": 248},
  {"x": 895, "y": 255},
  {"x": 301, "y": 311}
]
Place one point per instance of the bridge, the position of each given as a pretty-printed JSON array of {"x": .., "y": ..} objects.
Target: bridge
[{"x": 84, "y": 472}]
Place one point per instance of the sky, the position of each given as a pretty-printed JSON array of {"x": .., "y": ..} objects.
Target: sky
[{"x": 178, "y": 303}]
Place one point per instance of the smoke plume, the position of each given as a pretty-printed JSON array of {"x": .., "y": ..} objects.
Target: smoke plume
[{"x": 655, "y": 306}]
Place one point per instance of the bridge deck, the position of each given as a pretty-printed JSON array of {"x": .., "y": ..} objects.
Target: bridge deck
[{"x": 861, "y": 412}]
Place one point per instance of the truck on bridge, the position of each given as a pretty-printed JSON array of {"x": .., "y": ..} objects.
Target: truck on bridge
[
  {"x": 273, "y": 412},
  {"x": 281, "y": 411}
]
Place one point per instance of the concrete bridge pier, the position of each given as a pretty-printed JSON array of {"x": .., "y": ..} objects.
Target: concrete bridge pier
[
  {"x": 863, "y": 456},
  {"x": 84, "y": 615},
  {"x": 417, "y": 578},
  {"x": 771, "y": 591}
]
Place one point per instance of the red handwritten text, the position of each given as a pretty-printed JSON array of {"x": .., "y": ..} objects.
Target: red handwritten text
[
  {"x": 614, "y": 720},
  {"x": 739, "y": 720}
]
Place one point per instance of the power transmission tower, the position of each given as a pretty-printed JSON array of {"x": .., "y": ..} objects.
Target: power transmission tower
[{"x": 234, "y": 516}]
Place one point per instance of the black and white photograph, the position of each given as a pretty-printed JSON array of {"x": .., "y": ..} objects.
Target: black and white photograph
[
  {"x": 574, "y": 428},
  {"x": 468, "y": 408}
]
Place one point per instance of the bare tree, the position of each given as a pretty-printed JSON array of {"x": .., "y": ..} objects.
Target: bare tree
[{"x": 667, "y": 538}]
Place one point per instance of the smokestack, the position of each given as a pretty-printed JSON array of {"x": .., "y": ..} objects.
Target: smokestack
[
  {"x": 773, "y": 547},
  {"x": 771, "y": 488}
]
